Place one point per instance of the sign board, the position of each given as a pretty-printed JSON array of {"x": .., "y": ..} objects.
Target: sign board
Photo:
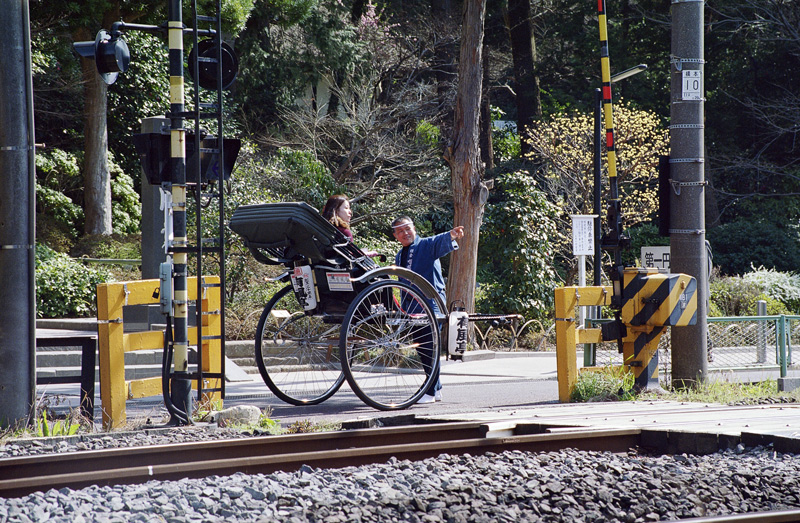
[
  {"x": 583, "y": 234},
  {"x": 655, "y": 257},
  {"x": 691, "y": 87}
]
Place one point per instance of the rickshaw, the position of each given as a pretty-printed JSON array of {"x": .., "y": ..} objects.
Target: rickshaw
[{"x": 341, "y": 316}]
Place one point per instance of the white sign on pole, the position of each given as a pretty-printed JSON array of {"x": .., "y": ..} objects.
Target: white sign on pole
[
  {"x": 691, "y": 86},
  {"x": 583, "y": 234},
  {"x": 655, "y": 257}
]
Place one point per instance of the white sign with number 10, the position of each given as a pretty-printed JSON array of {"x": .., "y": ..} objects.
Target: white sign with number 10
[{"x": 691, "y": 88}]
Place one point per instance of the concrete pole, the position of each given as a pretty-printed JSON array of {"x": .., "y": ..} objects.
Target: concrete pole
[
  {"x": 687, "y": 208},
  {"x": 17, "y": 221}
]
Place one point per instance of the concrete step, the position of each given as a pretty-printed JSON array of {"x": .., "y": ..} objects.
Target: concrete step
[
  {"x": 240, "y": 348},
  {"x": 64, "y": 358},
  {"x": 246, "y": 364},
  {"x": 131, "y": 373},
  {"x": 76, "y": 324}
]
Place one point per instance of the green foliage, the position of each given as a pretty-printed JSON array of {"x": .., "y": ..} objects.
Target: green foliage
[
  {"x": 127, "y": 247},
  {"x": 304, "y": 178},
  {"x": 269, "y": 425},
  {"x": 140, "y": 92},
  {"x": 64, "y": 287},
  {"x": 126, "y": 208},
  {"x": 604, "y": 384},
  {"x": 516, "y": 253},
  {"x": 716, "y": 391},
  {"x": 732, "y": 295},
  {"x": 738, "y": 245},
  {"x": 58, "y": 181},
  {"x": 428, "y": 133},
  {"x": 46, "y": 429},
  {"x": 505, "y": 144},
  {"x": 781, "y": 286},
  {"x": 739, "y": 295},
  {"x": 288, "y": 47}
]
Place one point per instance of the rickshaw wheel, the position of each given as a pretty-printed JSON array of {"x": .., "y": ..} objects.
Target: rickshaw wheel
[
  {"x": 296, "y": 353},
  {"x": 389, "y": 345}
]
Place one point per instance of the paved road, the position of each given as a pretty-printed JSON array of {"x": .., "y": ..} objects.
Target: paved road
[{"x": 505, "y": 382}]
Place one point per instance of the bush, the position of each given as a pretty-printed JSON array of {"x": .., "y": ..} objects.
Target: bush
[
  {"x": 64, "y": 287},
  {"x": 58, "y": 182},
  {"x": 644, "y": 235},
  {"x": 780, "y": 286},
  {"x": 126, "y": 208},
  {"x": 738, "y": 296},
  {"x": 515, "y": 257}
]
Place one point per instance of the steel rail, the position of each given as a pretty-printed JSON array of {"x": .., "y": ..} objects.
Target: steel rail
[
  {"x": 23, "y": 475},
  {"x": 773, "y": 516}
]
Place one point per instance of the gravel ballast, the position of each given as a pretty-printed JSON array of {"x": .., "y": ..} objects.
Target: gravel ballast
[{"x": 568, "y": 486}]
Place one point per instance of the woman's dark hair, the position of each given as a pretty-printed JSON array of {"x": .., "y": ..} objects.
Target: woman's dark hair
[{"x": 332, "y": 205}]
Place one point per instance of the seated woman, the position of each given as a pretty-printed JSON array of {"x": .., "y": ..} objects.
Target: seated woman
[{"x": 337, "y": 211}]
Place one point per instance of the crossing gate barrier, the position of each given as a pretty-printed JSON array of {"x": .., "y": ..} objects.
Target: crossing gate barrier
[
  {"x": 114, "y": 342},
  {"x": 649, "y": 302}
]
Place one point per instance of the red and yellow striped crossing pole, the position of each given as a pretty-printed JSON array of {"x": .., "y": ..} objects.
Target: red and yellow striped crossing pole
[
  {"x": 605, "y": 70},
  {"x": 615, "y": 240}
]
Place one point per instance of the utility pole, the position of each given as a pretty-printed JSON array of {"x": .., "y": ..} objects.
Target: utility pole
[
  {"x": 687, "y": 183},
  {"x": 17, "y": 233}
]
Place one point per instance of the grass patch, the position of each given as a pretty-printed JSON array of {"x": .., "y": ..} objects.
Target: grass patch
[
  {"x": 726, "y": 392},
  {"x": 610, "y": 383}
]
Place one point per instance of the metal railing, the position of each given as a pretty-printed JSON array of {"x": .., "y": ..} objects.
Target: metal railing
[{"x": 735, "y": 343}]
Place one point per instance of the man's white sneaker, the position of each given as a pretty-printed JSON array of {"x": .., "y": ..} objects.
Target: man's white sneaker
[
  {"x": 438, "y": 396},
  {"x": 427, "y": 398}
]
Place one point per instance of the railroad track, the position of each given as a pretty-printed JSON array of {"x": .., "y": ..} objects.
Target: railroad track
[{"x": 23, "y": 475}]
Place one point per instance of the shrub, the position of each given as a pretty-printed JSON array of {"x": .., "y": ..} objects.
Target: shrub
[
  {"x": 126, "y": 209},
  {"x": 644, "y": 235},
  {"x": 64, "y": 287},
  {"x": 738, "y": 296},
  {"x": 516, "y": 251},
  {"x": 781, "y": 286}
]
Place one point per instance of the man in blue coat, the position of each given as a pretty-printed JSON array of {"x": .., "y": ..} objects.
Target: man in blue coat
[{"x": 421, "y": 255}]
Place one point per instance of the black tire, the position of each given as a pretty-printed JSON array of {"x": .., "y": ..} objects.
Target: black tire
[
  {"x": 296, "y": 354},
  {"x": 380, "y": 345}
]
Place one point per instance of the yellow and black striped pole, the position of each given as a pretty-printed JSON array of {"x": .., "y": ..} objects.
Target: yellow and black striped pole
[
  {"x": 614, "y": 241},
  {"x": 180, "y": 385}
]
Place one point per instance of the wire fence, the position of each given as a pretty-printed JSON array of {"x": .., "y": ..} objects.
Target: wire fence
[{"x": 734, "y": 344}]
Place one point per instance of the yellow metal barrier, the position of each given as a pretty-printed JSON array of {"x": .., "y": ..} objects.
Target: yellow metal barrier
[
  {"x": 569, "y": 334},
  {"x": 650, "y": 301},
  {"x": 113, "y": 342}
]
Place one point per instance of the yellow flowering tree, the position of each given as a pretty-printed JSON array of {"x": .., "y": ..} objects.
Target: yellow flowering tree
[{"x": 562, "y": 152}]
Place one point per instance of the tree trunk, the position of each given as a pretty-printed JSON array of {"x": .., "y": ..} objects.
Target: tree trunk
[
  {"x": 523, "y": 54},
  {"x": 469, "y": 193},
  {"x": 487, "y": 149},
  {"x": 97, "y": 181}
]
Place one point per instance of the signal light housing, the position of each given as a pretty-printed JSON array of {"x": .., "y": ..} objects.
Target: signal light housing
[
  {"x": 206, "y": 54},
  {"x": 110, "y": 53}
]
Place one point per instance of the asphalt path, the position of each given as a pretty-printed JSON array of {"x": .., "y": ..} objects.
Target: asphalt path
[
  {"x": 458, "y": 398},
  {"x": 488, "y": 382}
]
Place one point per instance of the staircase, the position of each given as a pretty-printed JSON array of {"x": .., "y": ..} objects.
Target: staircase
[{"x": 66, "y": 361}]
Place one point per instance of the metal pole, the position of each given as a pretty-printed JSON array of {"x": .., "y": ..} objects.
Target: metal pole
[
  {"x": 180, "y": 382},
  {"x": 17, "y": 207},
  {"x": 687, "y": 208}
]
